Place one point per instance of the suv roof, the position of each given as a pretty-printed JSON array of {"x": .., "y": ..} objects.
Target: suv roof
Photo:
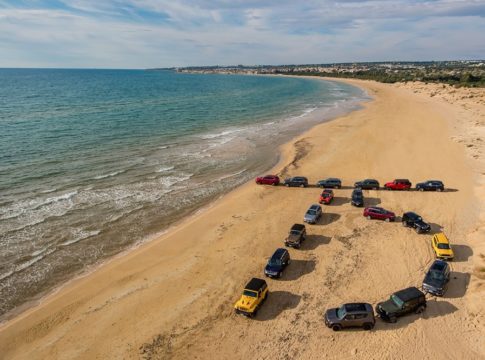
[
  {"x": 355, "y": 307},
  {"x": 278, "y": 253},
  {"x": 409, "y": 293},
  {"x": 298, "y": 227},
  {"x": 441, "y": 238},
  {"x": 314, "y": 207},
  {"x": 402, "y": 180},
  {"x": 438, "y": 265},
  {"x": 255, "y": 284},
  {"x": 412, "y": 214}
]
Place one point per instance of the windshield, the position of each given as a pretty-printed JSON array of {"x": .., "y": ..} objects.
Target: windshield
[
  {"x": 250, "y": 293},
  {"x": 341, "y": 312},
  {"x": 399, "y": 303},
  {"x": 436, "y": 275},
  {"x": 311, "y": 212},
  {"x": 444, "y": 246},
  {"x": 274, "y": 262},
  {"x": 295, "y": 232}
]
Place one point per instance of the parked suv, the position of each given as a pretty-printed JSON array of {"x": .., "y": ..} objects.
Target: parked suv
[
  {"x": 398, "y": 184},
  {"x": 357, "y": 198},
  {"x": 401, "y": 303},
  {"x": 367, "y": 184},
  {"x": 268, "y": 180},
  {"x": 350, "y": 315},
  {"x": 430, "y": 185},
  {"x": 313, "y": 214},
  {"x": 296, "y": 181},
  {"x": 253, "y": 296},
  {"x": 326, "y": 197},
  {"x": 375, "y": 212},
  {"x": 277, "y": 263},
  {"x": 441, "y": 246},
  {"x": 411, "y": 219},
  {"x": 436, "y": 280},
  {"x": 296, "y": 236},
  {"x": 330, "y": 183}
]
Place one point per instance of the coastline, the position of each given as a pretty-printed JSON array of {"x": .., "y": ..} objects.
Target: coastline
[{"x": 134, "y": 282}]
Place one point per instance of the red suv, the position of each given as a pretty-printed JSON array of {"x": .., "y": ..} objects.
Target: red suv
[
  {"x": 375, "y": 212},
  {"x": 326, "y": 196},
  {"x": 398, "y": 184},
  {"x": 268, "y": 180}
]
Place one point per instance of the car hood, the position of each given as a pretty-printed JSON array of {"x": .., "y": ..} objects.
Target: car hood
[
  {"x": 245, "y": 302},
  {"x": 310, "y": 217},
  {"x": 434, "y": 283},
  {"x": 421, "y": 224},
  {"x": 331, "y": 315},
  {"x": 388, "y": 307},
  {"x": 293, "y": 238}
]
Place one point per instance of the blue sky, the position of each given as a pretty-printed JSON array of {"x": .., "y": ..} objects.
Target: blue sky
[{"x": 166, "y": 33}]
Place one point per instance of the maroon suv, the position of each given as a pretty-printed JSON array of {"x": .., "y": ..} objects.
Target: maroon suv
[
  {"x": 268, "y": 180},
  {"x": 374, "y": 212},
  {"x": 398, "y": 184}
]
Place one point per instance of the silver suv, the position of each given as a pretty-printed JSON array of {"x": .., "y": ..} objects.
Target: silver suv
[
  {"x": 313, "y": 214},
  {"x": 350, "y": 315}
]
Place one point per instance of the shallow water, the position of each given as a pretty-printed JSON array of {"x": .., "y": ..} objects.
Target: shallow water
[{"x": 95, "y": 161}]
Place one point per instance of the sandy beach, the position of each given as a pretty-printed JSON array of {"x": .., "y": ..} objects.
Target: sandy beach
[{"x": 173, "y": 297}]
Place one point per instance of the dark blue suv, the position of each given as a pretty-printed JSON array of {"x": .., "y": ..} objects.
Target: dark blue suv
[
  {"x": 430, "y": 185},
  {"x": 436, "y": 280},
  {"x": 277, "y": 263}
]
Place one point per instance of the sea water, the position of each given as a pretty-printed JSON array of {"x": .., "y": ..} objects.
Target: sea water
[{"x": 93, "y": 162}]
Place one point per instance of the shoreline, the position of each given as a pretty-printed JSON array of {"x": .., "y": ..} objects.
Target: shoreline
[{"x": 127, "y": 279}]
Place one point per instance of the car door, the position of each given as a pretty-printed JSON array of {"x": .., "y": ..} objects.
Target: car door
[{"x": 349, "y": 320}]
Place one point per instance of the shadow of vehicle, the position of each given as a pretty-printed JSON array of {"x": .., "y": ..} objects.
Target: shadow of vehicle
[
  {"x": 276, "y": 303},
  {"x": 339, "y": 200},
  {"x": 328, "y": 218},
  {"x": 313, "y": 241},
  {"x": 369, "y": 201},
  {"x": 450, "y": 190},
  {"x": 458, "y": 285},
  {"x": 435, "y": 228},
  {"x": 435, "y": 308},
  {"x": 298, "y": 268},
  {"x": 462, "y": 252}
]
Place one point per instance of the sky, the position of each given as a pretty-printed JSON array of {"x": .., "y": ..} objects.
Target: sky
[{"x": 176, "y": 33}]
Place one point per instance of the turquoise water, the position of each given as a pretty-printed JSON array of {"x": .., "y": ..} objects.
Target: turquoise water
[{"x": 95, "y": 161}]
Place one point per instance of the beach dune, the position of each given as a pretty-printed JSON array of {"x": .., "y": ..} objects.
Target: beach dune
[{"x": 173, "y": 297}]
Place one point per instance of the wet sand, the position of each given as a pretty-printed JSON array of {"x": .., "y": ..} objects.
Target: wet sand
[{"x": 173, "y": 297}]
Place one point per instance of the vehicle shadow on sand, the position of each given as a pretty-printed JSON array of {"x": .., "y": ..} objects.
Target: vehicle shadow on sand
[
  {"x": 328, "y": 218},
  {"x": 339, "y": 200},
  {"x": 458, "y": 285},
  {"x": 435, "y": 228},
  {"x": 462, "y": 252},
  {"x": 370, "y": 201},
  {"x": 276, "y": 303},
  {"x": 297, "y": 269},
  {"x": 434, "y": 309},
  {"x": 313, "y": 241}
]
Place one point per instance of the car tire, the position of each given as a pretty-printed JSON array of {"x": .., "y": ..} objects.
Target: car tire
[
  {"x": 404, "y": 224},
  {"x": 420, "y": 309},
  {"x": 369, "y": 217},
  {"x": 302, "y": 185},
  {"x": 336, "y": 327},
  {"x": 375, "y": 188},
  {"x": 393, "y": 319},
  {"x": 421, "y": 189},
  {"x": 339, "y": 186},
  {"x": 274, "y": 184},
  {"x": 439, "y": 190},
  {"x": 368, "y": 326},
  {"x": 287, "y": 185},
  {"x": 387, "y": 220},
  {"x": 418, "y": 230}
]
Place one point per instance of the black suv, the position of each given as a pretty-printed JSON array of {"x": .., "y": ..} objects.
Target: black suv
[
  {"x": 367, "y": 184},
  {"x": 296, "y": 236},
  {"x": 401, "y": 303},
  {"x": 350, "y": 315},
  {"x": 357, "y": 198},
  {"x": 436, "y": 280},
  {"x": 411, "y": 219},
  {"x": 430, "y": 185},
  {"x": 330, "y": 183},
  {"x": 277, "y": 263},
  {"x": 296, "y": 181}
]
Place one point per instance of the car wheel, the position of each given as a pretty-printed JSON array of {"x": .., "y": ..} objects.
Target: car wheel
[
  {"x": 418, "y": 230},
  {"x": 339, "y": 187},
  {"x": 336, "y": 327},
  {"x": 369, "y": 217},
  {"x": 421, "y": 189},
  {"x": 274, "y": 184},
  {"x": 368, "y": 326},
  {"x": 375, "y": 188},
  {"x": 420, "y": 309},
  {"x": 393, "y": 319},
  {"x": 302, "y": 185},
  {"x": 404, "y": 224},
  {"x": 439, "y": 189},
  {"x": 287, "y": 185},
  {"x": 387, "y": 219}
]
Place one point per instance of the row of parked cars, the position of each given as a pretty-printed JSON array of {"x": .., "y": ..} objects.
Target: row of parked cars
[
  {"x": 356, "y": 314},
  {"x": 367, "y": 184}
]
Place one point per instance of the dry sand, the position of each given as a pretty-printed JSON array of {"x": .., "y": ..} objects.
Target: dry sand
[{"x": 173, "y": 297}]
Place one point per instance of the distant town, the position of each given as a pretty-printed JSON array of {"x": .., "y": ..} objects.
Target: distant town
[{"x": 470, "y": 73}]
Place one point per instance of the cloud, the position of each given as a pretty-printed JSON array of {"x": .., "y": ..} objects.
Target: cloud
[{"x": 152, "y": 33}]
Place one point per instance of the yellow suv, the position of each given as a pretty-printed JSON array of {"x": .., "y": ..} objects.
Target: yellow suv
[
  {"x": 252, "y": 297},
  {"x": 441, "y": 246}
]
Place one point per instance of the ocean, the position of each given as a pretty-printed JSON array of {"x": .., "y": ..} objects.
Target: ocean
[{"x": 94, "y": 162}]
